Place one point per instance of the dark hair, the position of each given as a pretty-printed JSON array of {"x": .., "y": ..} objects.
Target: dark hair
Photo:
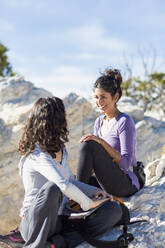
[
  {"x": 110, "y": 81},
  {"x": 46, "y": 126}
]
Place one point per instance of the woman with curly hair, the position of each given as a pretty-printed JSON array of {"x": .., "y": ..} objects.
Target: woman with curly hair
[
  {"x": 110, "y": 152},
  {"x": 49, "y": 182}
]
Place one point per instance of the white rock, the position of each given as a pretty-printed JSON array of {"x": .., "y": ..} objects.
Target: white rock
[
  {"x": 150, "y": 139},
  {"x": 135, "y": 112},
  {"x": 127, "y": 100},
  {"x": 81, "y": 117},
  {"x": 147, "y": 204},
  {"x": 155, "y": 170},
  {"x": 128, "y": 105},
  {"x": 16, "y": 99},
  {"x": 12, "y": 89},
  {"x": 161, "y": 167}
]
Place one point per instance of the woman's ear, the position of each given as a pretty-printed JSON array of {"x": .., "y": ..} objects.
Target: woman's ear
[{"x": 116, "y": 97}]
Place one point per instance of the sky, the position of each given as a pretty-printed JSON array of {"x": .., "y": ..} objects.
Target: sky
[{"x": 63, "y": 45}]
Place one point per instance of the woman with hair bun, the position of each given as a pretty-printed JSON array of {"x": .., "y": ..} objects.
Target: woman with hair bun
[{"x": 110, "y": 152}]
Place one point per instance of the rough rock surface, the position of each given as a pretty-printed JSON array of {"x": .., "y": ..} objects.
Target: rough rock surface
[
  {"x": 129, "y": 106},
  {"x": 16, "y": 99},
  {"x": 150, "y": 139},
  {"x": 148, "y": 204},
  {"x": 81, "y": 117}
]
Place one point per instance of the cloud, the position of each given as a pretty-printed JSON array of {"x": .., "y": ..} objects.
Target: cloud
[
  {"x": 65, "y": 79},
  {"x": 94, "y": 37}
]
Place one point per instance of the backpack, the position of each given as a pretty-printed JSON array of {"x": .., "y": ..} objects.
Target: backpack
[
  {"x": 123, "y": 240},
  {"x": 139, "y": 172}
]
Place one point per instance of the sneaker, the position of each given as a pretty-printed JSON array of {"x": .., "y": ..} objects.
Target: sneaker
[
  {"x": 48, "y": 245},
  {"x": 12, "y": 240}
]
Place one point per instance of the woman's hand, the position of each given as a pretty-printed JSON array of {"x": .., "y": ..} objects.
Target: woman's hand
[
  {"x": 98, "y": 202},
  {"x": 100, "y": 194},
  {"x": 99, "y": 197},
  {"x": 90, "y": 137},
  {"x": 115, "y": 155}
]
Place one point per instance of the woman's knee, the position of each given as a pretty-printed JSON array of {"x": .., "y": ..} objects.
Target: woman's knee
[
  {"x": 112, "y": 213},
  {"x": 88, "y": 145},
  {"x": 104, "y": 218}
]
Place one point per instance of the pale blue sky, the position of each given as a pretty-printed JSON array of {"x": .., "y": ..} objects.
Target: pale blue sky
[{"x": 62, "y": 45}]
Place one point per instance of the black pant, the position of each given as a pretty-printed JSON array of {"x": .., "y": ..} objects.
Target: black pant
[
  {"x": 43, "y": 223},
  {"x": 111, "y": 178},
  {"x": 98, "y": 223}
]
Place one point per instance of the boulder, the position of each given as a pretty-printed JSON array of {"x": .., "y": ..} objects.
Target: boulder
[
  {"x": 81, "y": 117},
  {"x": 148, "y": 204},
  {"x": 150, "y": 139},
  {"x": 16, "y": 99},
  {"x": 128, "y": 105}
]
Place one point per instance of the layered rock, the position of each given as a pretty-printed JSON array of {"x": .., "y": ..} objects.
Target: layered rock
[{"x": 16, "y": 99}]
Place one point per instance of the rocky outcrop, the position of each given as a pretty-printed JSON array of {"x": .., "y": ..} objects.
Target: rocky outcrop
[
  {"x": 16, "y": 99},
  {"x": 150, "y": 139},
  {"x": 150, "y": 131},
  {"x": 128, "y": 105},
  {"x": 81, "y": 116},
  {"x": 148, "y": 204}
]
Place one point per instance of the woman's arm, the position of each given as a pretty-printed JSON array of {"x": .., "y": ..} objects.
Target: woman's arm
[
  {"x": 46, "y": 167},
  {"x": 127, "y": 139},
  {"x": 115, "y": 155},
  {"x": 127, "y": 136}
]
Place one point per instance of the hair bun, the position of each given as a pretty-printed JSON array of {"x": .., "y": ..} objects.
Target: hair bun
[{"x": 114, "y": 74}]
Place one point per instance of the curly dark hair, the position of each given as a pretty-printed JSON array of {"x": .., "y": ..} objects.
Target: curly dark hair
[
  {"x": 46, "y": 126},
  {"x": 110, "y": 81}
]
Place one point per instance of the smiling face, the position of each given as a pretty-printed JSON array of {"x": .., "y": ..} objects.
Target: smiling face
[{"x": 104, "y": 101}]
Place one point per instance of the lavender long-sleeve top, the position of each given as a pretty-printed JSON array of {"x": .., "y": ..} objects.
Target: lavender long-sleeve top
[{"x": 122, "y": 137}]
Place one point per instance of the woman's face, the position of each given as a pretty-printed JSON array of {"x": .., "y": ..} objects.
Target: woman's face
[{"x": 104, "y": 100}]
